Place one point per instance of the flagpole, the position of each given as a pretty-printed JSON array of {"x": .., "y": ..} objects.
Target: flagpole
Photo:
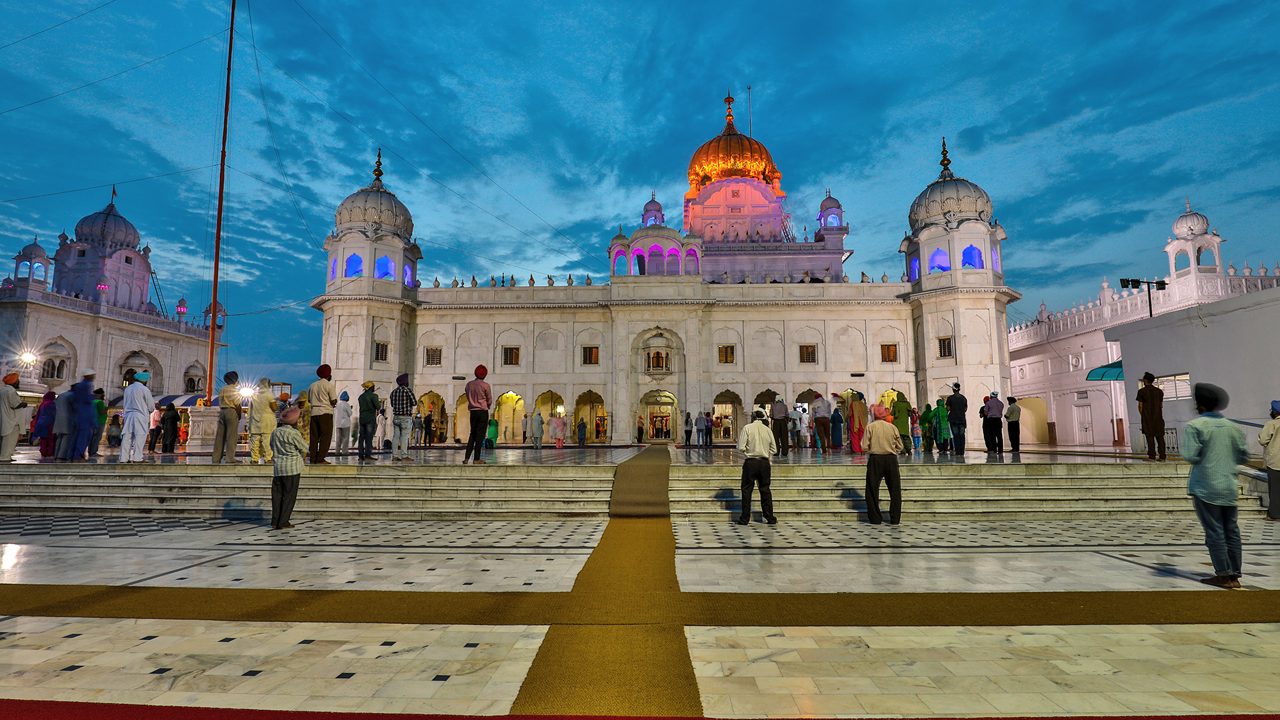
[{"x": 217, "y": 233}]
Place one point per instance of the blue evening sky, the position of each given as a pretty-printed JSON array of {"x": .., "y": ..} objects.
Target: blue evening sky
[{"x": 521, "y": 134}]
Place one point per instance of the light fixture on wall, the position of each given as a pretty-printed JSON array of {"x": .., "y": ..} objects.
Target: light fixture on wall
[{"x": 1136, "y": 284}]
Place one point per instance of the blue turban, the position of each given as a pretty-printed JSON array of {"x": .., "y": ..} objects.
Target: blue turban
[
  {"x": 344, "y": 396},
  {"x": 1275, "y": 406}
]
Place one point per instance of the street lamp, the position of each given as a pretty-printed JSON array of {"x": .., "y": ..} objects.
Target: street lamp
[
  {"x": 1136, "y": 284},
  {"x": 28, "y": 358}
]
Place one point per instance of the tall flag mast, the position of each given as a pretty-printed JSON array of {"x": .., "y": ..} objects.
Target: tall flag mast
[{"x": 217, "y": 233}]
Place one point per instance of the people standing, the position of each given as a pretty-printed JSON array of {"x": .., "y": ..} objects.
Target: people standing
[
  {"x": 926, "y": 428},
  {"x": 778, "y": 422},
  {"x": 227, "y": 432},
  {"x": 42, "y": 430},
  {"x": 857, "y": 422},
  {"x": 402, "y": 404},
  {"x": 917, "y": 435},
  {"x": 169, "y": 421},
  {"x": 137, "y": 408},
  {"x": 153, "y": 434},
  {"x": 86, "y": 415},
  {"x": 64, "y": 425},
  {"x": 342, "y": 422},
  {"x": 793, "y": 426},
  {"x": 993, "y": 424},
  {"x": 322, "y": 397},
  {"x": 538, "y": 426},
  {"x": 491, "y": 434},
  {"x": 524, "y": 429},
  {"x": 706, "y": 419},
  {"x": 287, "y": 450},
  {"x": 700, "y": 426},
  {"x": 558, "y": 430},
  {"x": 837, "y": 424},
  {"x": 370, "y": 406},
  {"x": 901, "y": 412},
  {"x": 1270, "y": 440},
  {"x": 884, "y": 444},
  {"x": 582, "y": 433},
  {"x": 822, "y": 423},
  {"x": 479, "y": 400},
  {"x": 942, "y": 426},
  {"x": 757, "y": 443},
  {"x": 304, "y": 419},
  {"x": 639, "y": 429},
  {"x": 688, "y": 430},
  {"x": 262, "y": 422},
  {"x": 114, "y": 431},
  {"x": 1151, "y": 414},
  {"x": 429, "y": 428},
  {"x": 10, "y": 418},
  {"x": 100, "y": 421},
  {"x": 1215, "y": 446},
  {"x": 957, "y": 409},
  {"x": 1013, "y": 416}
]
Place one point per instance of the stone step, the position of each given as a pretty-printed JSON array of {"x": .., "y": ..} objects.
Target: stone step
[
  {"x": 1026, "y": 471},
  {"x": 858, "y": 504},
  {"x": 332, "y": 506},
  {"x": 977, "y": 514},
  {"x": 389, "y": 492}
]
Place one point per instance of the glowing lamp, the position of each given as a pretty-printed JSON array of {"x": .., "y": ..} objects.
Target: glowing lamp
[
  {"x": 559, "y": 409},
  {"x": 182, "y": 309},
  {"x": 103, "y": 287},
  {"x": 28, "y": 358},
  {"x": 246, "y": 391}
]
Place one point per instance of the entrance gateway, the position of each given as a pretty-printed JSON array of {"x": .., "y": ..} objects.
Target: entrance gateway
[{"x": 659, "y": 413}]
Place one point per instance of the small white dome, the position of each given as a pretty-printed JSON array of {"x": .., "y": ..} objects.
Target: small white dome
[
  {"x": 34, "y": 251},
  {"x": 376, "y": 204},
  {"x": 107, "y": 228},
  {"x": 655, "y": 232},
  {"x": 949, "y": 199},
  {"x": 1190, "y": 223}
]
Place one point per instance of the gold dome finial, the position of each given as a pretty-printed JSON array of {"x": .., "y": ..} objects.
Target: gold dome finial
[
  {"x": 377, "y": 166},
  {"x": 728, "y": 102},
  {"x": 945, "y": 162}
]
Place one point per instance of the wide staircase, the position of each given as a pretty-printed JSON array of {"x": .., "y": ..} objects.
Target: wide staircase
[
  {"x": 376, "y": 492},
  {"x": 952, "y": 491}
]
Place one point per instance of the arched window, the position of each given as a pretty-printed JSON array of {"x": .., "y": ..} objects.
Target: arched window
[
  {"x": 914, "y": 272},
  {"x": 408, "y": 275},
  {"x": 24, "y": 269},
  {"x": 333, "y": 269},
  {"x": 691, "y": 262},
  {"x": 939, "y": 261},
  {"x": 49, "y": 369},
  {"x": 1205, "y": 257},
  {"x": 354, "y": 266},
  {"x": 971, "y": 258},
  {"x": 655, "y": 265},
  {"x": 995, "y": 259},
  {"x": 620, "y": 266},
  {"x": 384, "y": 269},
  {"x": 673, "y": 261},
  {"x": 833, "y": 220},
  {"x": 37, "y": 271},
  {"x": 640, "y": 263}
]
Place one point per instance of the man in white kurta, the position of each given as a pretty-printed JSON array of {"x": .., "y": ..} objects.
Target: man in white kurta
[{"x": 137, "y": 410}]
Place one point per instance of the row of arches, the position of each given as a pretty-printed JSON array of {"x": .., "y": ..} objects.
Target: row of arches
[
  {"x": 971, "y": 258},
  {"x": 657, "y": 261},
  {"x": 36, "y": 271},
  {"x": 384, "y": 268},
  {"x": 452, "y": 421}
]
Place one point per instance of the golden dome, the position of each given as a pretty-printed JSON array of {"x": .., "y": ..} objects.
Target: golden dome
[{"x": 731, "y": 154}]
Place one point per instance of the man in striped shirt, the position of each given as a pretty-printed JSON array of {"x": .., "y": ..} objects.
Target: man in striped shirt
[{"x": 287, "y": 448}]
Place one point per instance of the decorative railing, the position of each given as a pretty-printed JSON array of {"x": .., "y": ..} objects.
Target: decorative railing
[{"x": 67, "y": 302}]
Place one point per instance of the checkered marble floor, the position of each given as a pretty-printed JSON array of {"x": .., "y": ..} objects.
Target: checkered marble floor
[
  {"x": 442, "y": 534},
  {"x": 447, "y": 669},
  {"x": 986, "y": 671},
  {"x": 111, "y": 527}
]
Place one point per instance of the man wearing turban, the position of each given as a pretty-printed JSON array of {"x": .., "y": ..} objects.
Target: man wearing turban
[
  {"x": 137, "y": 412},
  {"x": 10, "y": 419},
  {"x": 322, "y": 396}
]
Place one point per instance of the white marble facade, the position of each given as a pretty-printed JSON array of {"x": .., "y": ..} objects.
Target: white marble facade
[
  {"x": 717, "y": 319},
  {"x": 1051, "y": 356}
]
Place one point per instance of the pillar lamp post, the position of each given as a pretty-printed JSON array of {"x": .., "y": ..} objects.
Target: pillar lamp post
[{"x": 1135, "y": 284}]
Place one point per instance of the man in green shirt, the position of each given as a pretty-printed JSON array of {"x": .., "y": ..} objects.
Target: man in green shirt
[
  {"x": 100, "y": 408},
  {"x": 1215, "y": 446}
]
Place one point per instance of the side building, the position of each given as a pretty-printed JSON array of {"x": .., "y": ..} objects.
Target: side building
[
  {"x": 1068, "y": 376},
  {"x": 89, "y": 306},
  {"x": 727, "y": 312}
]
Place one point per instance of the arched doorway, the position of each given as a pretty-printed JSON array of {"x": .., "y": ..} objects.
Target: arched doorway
[
  {"x": 590, "y": 407},
  {"x": 509, "y": 411},
  {"x": 549, "y": 404},
  {"x": 431, "y": 404},
  {"x": 658, "y": 412},
  {"x": 764, "y": 400},
  {"x": 461, "y": 420},
  {"x": 726, "y": 416}
]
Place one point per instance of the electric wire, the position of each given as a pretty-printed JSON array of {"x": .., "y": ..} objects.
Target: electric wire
[
  {"x": 56, "y": 25},
  {"x": 114, "y": 75},
  {"x": 394, "y": 153},
  {"x": 434, "y": 132},
  {"x": 271, "y": 132},
  {"x": 100, "y": 186}
]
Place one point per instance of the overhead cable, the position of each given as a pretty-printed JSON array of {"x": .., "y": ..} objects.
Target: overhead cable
[{"x": 56, "y": 25}]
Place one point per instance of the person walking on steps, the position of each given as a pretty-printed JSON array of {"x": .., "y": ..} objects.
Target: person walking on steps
[
  {"x": 957, "y": 409},
  {"x": 479, "y": 400},
  {"x": 227, "y": 432},
  {"x": 1012, "y": 416},
  {"x": 1270, "y": 440},
  {"x": 1215, "y": 446},
  {"x": 403, "y": 404},
  {"x": 287, "y": 450},
  {"x": 884, "y": 444},
  {"x": 757, "y": 443},
  {"x": 369, "y": 407},
  {"x": 1151, "y": 414},
  {"x": 322, "y": 398}
]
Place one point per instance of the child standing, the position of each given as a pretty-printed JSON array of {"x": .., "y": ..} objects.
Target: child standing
[
  {"x": 916, "y": 434},
  {"x": 288, "y": 449}
]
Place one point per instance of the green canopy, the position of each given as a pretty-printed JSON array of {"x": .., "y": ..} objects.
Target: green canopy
[{"x": 1106, "y": 373}]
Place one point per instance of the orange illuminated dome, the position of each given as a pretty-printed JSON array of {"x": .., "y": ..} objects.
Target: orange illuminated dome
[{"x": 731, "y": 154}]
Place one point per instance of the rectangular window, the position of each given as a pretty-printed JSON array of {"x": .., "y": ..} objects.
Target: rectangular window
[
  {"x": 590, "y": 354},
  {"x": 944, "y": 348},
  {"x": 726, "y": 354},
  {"x": 510, "y": 355},
  {"x": 1175, "y": 387},
  {"x": 809, "y": 354},
  {"x": 889, "y": 352},
  {"x": 432, "y": 356},
  {"x": 380, "y": 351},
  {"x": 128, "y": 260}
]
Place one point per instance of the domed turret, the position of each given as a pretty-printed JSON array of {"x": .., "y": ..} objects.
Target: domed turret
[
  {"x": 376, "y": 204},
  {"x": 652, "y": 214},
  {"x": 830, "y": 203},
  {"x": 1190, "y": 223},
  {"x": 107, "y": 228},
  {"x": 949, "y": 200},
  {"x": 34, "y": 251},
  {"x": 731, "y": 154}
]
